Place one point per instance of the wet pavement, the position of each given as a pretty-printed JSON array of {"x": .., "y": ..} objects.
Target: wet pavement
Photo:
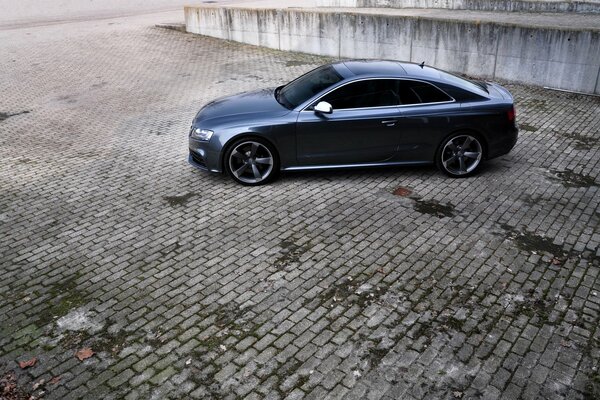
[{"x": 383, "y": 283}]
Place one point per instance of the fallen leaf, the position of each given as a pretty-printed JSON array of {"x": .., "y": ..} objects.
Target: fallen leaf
[
  {"x": 402, "y": 192},
  {"x": 54, "y": 380},
  {"x": 84, "y": 353},
  {"x": 28, "y": 363}
]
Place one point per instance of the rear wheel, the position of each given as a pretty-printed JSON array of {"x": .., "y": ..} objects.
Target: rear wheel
[
  {"x": 252, "y": 161},
  {"x": 460, "y": 155}
]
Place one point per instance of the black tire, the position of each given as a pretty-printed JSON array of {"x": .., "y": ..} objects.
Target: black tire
[
  {"x": 460, "y": 155},
  {"x": 251, "y": 161}
]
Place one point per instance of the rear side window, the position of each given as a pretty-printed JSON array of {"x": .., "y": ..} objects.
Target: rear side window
[
  {"x": 365, "y": 94},
  {"x": 415, "y": 92}
]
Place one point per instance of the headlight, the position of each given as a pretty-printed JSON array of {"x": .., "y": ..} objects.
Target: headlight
[{"x": 202, "y": 134}]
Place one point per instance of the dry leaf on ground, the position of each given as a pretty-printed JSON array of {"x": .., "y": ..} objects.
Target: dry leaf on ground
[
  {"x": 84, "y": 353},
  {"x": 27, "y": 363}
]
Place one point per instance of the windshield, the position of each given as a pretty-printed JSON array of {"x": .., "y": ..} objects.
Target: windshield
[
  {"x": 303, "y": 88},
  {"x": 468, "y": 84}
]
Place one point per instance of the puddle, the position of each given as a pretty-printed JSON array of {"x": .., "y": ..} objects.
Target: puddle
[
  {"x": 528, "y": 241},
  {"x": 572, "y": 179},
  {"x": 4, "y": 116},
  {"x": 433, "y": 207},
  {"x": 179, "y": 200}
]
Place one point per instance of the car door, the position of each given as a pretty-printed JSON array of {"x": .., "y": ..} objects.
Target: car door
[
  {"x": 428, "y": 114},
  {"x": 361, "y": 128}
]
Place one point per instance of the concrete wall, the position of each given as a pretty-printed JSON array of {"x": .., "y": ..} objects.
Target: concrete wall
[
  {"x": 565, "y": 59},
  {"x": 589, "y": 6}
]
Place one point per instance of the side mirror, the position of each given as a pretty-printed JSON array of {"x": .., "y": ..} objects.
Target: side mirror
[{"x": 324, "y": 107}]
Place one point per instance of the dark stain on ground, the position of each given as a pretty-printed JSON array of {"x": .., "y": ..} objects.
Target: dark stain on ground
[
  {"x": 4, "y": 116},
  {"x": 580, "y": 142},
  {"x": 375, "y": 354},
  {"x": 227, "y": 315},
  {"x": 530, "y": 200},
  {"x": 528, "y": 241},
  {"x": 569, "y": 178},
  {"x": 64, "y": 296},
  {"x": 179, "y": 200},
  {"x": 534, "y": 104},
  {"x": 527, "y": 128},
  {"x": 111, "y": 343},
  {"x": 535, "y": 307},
  {"x": 433, "y": 207},
  {"x": 290, "y": 253},
  {"x": 352, "y": 291}
]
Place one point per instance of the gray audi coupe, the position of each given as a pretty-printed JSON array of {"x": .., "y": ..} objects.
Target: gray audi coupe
[{"x": 359, "y": 113}]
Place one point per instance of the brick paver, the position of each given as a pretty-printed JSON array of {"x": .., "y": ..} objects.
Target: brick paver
[{"x": 187, "y": 285}]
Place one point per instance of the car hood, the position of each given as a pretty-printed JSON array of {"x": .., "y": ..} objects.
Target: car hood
[{"x": 240, "y": 107}]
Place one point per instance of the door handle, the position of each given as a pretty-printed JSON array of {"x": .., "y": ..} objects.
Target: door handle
[{"x": 389, "y": 122}]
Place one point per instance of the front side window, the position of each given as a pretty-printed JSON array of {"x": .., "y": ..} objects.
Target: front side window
[
  {"x": 416, "y": 92},
  {"x": 300, "y": 90},
  {"x": 364, "y": 94}
]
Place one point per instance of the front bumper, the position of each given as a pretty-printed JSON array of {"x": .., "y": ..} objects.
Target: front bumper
[{"x": 203, "y": 157}]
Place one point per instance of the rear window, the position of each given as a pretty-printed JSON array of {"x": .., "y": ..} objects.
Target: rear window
[
  {"x": 464, "y": 83},
  {"x": 416, "y": 92}
]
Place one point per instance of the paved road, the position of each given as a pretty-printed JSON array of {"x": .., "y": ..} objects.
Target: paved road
[
  {"x": 186, "y": 285},
  {"x": 29, "y": 13}
]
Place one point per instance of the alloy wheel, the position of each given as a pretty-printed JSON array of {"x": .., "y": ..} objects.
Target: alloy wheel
[
  {"x": 461, "y": 155},
  {"x": 251, "y": 162}
]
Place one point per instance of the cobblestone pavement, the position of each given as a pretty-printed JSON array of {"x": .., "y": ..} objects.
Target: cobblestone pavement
[{"x": 323, "y": 284}]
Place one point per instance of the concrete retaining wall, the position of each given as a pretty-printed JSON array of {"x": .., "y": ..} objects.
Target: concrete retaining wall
[
  {"x": 591, "y": 6},
  {"x": 565, "y": 59}
]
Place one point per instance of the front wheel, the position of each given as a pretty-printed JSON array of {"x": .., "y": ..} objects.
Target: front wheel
[
  {"x": 460, "y": 155},
  {"x": 251, "y": 162}
]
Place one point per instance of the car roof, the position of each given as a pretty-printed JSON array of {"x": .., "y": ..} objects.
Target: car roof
[
  {"x": 374, "y": 67},
  {"x": 389, "y": 67},
  {"x": 351, "y": 69}
]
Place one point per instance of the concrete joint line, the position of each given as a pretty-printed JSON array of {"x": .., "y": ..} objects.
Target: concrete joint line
[
  {"x": 279, "y": 22},
  {"x": 229, "y": 22},
  {"x": 496, "y": 54},
  {"x": 339, "y": 36}
]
